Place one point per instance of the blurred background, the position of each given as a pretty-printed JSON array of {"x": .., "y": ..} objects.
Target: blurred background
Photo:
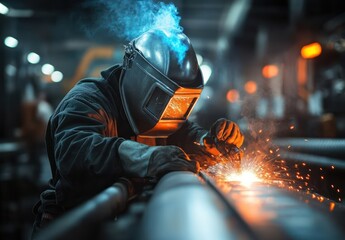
[{"x": 279, "y": 64}]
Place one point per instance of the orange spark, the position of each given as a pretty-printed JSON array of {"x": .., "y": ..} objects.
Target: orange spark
[{"x": 331, "y": 206}]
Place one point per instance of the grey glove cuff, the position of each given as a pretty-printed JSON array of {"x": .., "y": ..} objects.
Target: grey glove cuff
[{"x": 135, "y": 157}]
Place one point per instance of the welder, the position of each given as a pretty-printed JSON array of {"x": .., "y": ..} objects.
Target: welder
[{"x": 131, "y": 122}]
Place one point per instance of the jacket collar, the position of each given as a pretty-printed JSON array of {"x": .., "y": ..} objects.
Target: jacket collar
[
  {"x": 112, "y": 74},
  {"x": 112, "y": 77}
]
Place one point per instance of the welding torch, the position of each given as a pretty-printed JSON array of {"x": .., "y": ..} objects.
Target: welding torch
[{"x": 225, "y": 152}]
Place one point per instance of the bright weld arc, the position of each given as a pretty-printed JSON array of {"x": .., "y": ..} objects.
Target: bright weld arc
[{"x": 245, "y": 178}]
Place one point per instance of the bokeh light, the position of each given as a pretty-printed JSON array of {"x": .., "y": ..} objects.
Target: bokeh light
[
  {"x": 250, "y": 87},
  {"x": 233, "y": 95},
  {"x": 270, "y": 71}
]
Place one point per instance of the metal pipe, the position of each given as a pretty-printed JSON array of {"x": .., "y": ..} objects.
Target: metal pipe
[
  {"x": 83, "y": 222},
  {"x": 276, "y": 213},
  {"x": 231, "y": 208},
  {"x": 325, "y": 147},
  {"x": 313, "y": 159},
  {"x": 182, "y": 207}
]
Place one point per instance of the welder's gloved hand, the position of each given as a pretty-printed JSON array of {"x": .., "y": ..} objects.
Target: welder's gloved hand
[
  {"x": 222, "y": 134},
  {"x": 140, "y": 160}
]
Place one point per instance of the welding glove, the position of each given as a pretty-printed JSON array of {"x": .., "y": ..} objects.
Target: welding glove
[
  {"x": 223, "y": 134},
  {"x": 140, "y": 160}
]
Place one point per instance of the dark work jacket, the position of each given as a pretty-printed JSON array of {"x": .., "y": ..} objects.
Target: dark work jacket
[{"x": 84, "y": 134}]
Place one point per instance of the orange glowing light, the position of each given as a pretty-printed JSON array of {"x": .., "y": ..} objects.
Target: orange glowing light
[
  {"x": 292, "y": 127},
  {"x": 232, "y": 96},
  {"x": 245, "y": 178},
  {"x": 331, "y": 206},
  {"x": 270, "y": 71},
  {"x": 302, "y": 71},
  {"x": 312, "y": 50},
  {"x": 179, "y": 107},
  {"x": 250, "y": 87}
]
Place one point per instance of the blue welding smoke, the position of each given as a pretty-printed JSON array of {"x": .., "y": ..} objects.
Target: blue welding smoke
[{"x": 128, "y": 19}]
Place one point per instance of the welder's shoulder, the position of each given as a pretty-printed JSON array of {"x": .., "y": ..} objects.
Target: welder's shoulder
[
  {"x": 88, "y": 88},
  {"x": 86, "y": 91},
  {"x": 87, "y": 84}
]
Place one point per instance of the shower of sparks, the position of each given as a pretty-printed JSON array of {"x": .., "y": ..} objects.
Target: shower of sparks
[
  {"x": 252, "y": 170},
  {"x": 262, "y": 162}
]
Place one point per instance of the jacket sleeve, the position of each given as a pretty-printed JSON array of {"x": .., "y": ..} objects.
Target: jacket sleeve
[
  {"x": 86, "y": 155},
  {"x": 188, "y": 137}
]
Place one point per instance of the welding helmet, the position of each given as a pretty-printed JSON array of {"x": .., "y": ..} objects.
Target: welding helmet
[{"x": 157, "y": 88}]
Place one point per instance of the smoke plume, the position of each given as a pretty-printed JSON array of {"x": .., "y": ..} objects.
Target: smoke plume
[{"x": 128, "y": 19}]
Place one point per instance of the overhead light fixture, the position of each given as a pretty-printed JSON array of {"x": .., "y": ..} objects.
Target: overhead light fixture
[
  {"x": 311, "y": 50},
  {"x": 33, "y": 58},
  {"x": 57, "y": 76},
  {"x": 47, "y": 69},
  {"x": 11, "y": 42},
  {"x": 206, "y": 72},
  {"x": 3, "y": 9}
]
